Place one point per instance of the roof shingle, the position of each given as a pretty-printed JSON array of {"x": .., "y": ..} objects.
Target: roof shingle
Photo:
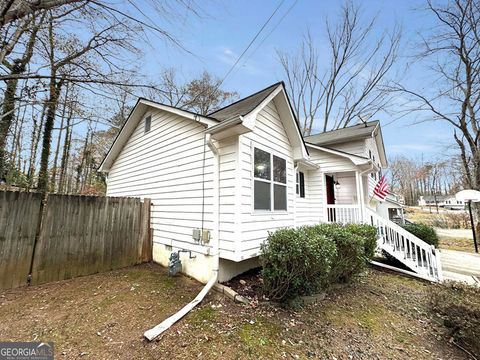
[
  {"x": 344, "y": 134},
  {"x": 243, "y": 106}
]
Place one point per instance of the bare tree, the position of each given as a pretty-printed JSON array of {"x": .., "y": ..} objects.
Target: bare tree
[
  {"x": 453, "y": 97},
  {"x": 72, "y": 57},
  {"x": 202, "y": 95},
  {"x": 353, "y": 85},
  {"x": 12, "y": 10},
  {"x": 15, "y": 66}
]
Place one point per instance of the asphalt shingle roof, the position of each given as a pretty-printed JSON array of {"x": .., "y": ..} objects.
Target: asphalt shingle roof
[
  {"x": 243, "y": 106},
  {"x": 344, "y": 134}
]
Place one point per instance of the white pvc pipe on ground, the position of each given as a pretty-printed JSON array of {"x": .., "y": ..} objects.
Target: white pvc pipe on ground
[{"x": 167, "y": 323}]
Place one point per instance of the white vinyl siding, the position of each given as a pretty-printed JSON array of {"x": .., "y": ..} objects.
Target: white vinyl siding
[
  {"x": 356, "y": 147},
  {"x": 269, "y": 135},
  {"x": 167, "y": 165},
  {"x": 329, "y": 164},
  {"x": 228, "y": 222},
  {"x": 304, "y": 207},
  {"x": 346, "y": 194}
]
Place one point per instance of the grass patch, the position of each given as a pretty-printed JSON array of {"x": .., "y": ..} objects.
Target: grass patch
[
  {"x": 258, "y": 336},
  {"x": 455, "y": 243},
  {"x": 202, "y": 316},
  {"x": 100, "y": 317}
]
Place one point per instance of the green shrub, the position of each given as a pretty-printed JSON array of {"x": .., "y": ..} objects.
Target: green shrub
[
  {"x": 423, "y": 232},
  {"x": 303, "y": 261},
  {"x": 369, "y": 235},
  {"x": 459, "y": 306},
  {"x": 350, "y": 259},
  {"x": 295, "y": 262}
]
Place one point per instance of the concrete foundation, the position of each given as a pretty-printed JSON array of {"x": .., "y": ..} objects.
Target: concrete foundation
[
  {"x": 229, "y": 269},
  {"x": 200, "y": 267}
]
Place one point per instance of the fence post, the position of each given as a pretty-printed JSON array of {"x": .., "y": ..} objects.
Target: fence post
[
  {"x": 145, "y": 238},
  {"x": 43, "y": 204}
]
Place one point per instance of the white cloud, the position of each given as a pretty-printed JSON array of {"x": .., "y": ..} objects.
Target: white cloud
[{"x": 228, "y": 56}]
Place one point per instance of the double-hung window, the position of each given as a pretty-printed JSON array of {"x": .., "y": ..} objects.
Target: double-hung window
[{"x": 270, "y": 181}]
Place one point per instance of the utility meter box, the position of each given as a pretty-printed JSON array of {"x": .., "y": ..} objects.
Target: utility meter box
[
  {"x": 205, "y": 236},
  {"x": 197, "y": 234}
]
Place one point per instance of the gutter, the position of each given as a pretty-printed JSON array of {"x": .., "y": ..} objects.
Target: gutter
[
  {"x": 222, "y": 126},
  {"x": 167, "y": 323}
]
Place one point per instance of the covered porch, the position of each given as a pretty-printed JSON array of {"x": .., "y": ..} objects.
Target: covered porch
[{"x": 346, "y": 196}]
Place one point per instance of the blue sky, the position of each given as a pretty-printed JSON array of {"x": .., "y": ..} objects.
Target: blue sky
[{"x": 226, "y": 27}]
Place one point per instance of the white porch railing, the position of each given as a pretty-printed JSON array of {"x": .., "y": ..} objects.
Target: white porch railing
[
  {"x": 416, "y": 254},
  {"x": 343, "y": 214}
]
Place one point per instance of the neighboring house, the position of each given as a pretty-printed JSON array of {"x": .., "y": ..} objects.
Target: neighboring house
[
  {"x": 227, "y": 179},
  {"x": 445, "y": 201}
]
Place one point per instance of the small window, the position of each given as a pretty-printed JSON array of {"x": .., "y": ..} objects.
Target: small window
[
  {"x": 270, "y": 181},
  {"x": 148, "y": 122},
  {"x": 297, "y": 183},
  {"x": 300, "y": 184}
]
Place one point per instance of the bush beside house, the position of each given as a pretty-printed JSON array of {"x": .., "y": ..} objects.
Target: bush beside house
[
  {"x": 306, "y": 260},
  {"x": 296, "y": 262},
  {"x": 423, "y": 232}
]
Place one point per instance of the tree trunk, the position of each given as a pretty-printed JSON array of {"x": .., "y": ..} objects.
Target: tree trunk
[
  {"x": 36, "y": 133},
  {"x": 47, "y": 133},
  {"x": 6, "y": 123},
  {"x": 65, "y": 154},
  {"x": 59, "y": 138}
]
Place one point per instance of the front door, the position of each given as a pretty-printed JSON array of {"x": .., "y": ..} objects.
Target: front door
[
  {"x": 330, "y": 189},
  {"x": 330, "y": 185}
]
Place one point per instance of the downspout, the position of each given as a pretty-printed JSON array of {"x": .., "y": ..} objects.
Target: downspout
[{"x": 167, "y": 323}]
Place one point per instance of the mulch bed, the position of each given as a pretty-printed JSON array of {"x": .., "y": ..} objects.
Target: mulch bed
[{"x": 248, "y": 284}]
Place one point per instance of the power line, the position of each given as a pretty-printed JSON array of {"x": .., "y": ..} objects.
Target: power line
[
  {"x": 271, "y": 31},
  {"x": 241, "y": 55},
  {"x": 251, "y": 43}
]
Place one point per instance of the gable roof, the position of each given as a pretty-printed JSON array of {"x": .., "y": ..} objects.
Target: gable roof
[
  {"x": 243, "y": 114},
  {"x": 369, "y": 129},
  {"x": 237, "y": 110},
  {"x": 356, "y": 159},
  {"x": 244, "y": 106},
  {"x": 134, "y": 118},
  {"x": 341, "y": 135}
]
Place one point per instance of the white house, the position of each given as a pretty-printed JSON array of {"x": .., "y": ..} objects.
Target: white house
[
  {"x": 445, "y": 201},
  {"x": 220, "y": 183}
]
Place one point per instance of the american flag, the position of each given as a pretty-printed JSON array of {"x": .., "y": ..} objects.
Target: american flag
[{"x": 381, "y": 189}]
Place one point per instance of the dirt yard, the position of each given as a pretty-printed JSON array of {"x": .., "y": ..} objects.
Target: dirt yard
[{"x": 103, "y": 316}]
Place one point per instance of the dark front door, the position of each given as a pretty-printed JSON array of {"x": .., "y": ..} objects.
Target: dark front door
[
  {"x": 330, "y": 190},
  {"x": 331, "y": 216}
]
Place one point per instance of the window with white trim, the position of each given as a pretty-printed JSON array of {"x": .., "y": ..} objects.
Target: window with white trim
[
  {"x": 300, "y": 184},
  {"x": 270, "y": 181}
]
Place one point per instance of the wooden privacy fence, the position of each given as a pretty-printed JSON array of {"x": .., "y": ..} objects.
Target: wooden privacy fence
[{"x": 69, "y": 236}]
